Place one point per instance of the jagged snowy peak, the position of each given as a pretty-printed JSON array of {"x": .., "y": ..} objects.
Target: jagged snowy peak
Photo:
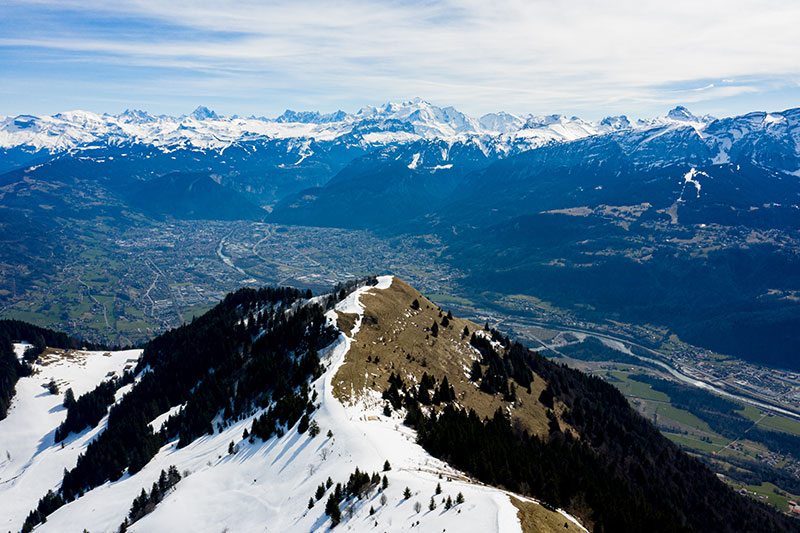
[
  {"x": 620, "y": 122},
  {"x": 681, "y": 114},
  {"x": 677, "y": 116},
  {"x": 428, "y": 120},
  {"x": 314, "y": 117},
  {"x": 136, "y": 116},
  {"x": 204, "y": 113}
]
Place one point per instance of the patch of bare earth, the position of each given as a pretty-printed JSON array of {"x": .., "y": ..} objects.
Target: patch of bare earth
[{"x": 536, "y": 519}]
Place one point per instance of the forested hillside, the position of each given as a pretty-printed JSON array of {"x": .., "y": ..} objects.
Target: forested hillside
[{"x": 594, "y": 456}]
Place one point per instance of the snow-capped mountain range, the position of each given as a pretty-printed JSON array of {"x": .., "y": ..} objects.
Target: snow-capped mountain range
[
  {"x": 407, "y": 121},
  {"x": 497, "y": 135}
]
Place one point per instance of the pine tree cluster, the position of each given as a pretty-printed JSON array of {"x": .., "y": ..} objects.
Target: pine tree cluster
[
  {"x": 87, "y": 410},
  {"x": 499, "y": 369},
  {"x": 358, "y": 485},
  {"x": 398, "y": 395},
  {"x": 145, "y": 503}
]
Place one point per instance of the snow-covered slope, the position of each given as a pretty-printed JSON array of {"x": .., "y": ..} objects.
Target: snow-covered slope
[
  {"x": 263, "y": 486},
  {"x": 30, "y": 462}
]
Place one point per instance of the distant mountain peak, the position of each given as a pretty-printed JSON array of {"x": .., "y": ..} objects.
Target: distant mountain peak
[
  {"x": 204, "y": 113},
  {"x": 620, "y": 122},
  {"x": 682, "y": 114},
  {"x": 311, "y": 117},
  {"x": 135, "y": 116}
]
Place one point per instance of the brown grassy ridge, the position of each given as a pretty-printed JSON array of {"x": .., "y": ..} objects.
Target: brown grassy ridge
[
  {"x": 535, "y": 518},
  {"x": 399, "y": 338}
]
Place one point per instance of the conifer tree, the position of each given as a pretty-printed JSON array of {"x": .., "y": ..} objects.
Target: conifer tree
[
  {"x": 69, "y": 398},
  {"x": 476, "y": 373},
  {"x": 332, "y": 510}
]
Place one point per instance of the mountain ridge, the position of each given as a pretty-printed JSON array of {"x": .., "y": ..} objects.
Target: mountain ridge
[
  {"x": 243, "y": 466},
  {"x": 204, "y": 128}
]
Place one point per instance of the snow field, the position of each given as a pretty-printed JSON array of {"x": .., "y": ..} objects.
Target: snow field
[{"x": 30, "y": 462}]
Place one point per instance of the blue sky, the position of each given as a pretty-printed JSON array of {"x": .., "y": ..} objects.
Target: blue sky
[{"x": 581, "y": 57}]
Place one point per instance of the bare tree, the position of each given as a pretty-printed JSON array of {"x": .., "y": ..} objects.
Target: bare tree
[{"x": 417, "y": 507}]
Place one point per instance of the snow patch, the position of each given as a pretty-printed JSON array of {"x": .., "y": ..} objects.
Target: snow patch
[{"x": 690, "y": 176}]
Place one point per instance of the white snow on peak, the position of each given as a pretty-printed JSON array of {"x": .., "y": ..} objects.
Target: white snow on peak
[
  {"x": 203, "y": 128},
  {"x": 391, "y": 123},
  {"x": 501, "y": 122}
]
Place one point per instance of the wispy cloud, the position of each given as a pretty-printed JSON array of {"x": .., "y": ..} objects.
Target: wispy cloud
[{"x": 526, "y": 56}]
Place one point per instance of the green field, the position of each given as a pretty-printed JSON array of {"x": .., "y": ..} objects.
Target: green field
[
  {"x": 776, "y": 422},
  {"x": 684, "y": 417},
  {"x": 443, "y": 298},
  {"x": 774, "y": 495},
  {"x": 629, "y": 387},
  {"x": 689, "y": 441}
]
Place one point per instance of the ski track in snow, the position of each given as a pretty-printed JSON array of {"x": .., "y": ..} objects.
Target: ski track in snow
[{"x": 265, "y": 486}]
